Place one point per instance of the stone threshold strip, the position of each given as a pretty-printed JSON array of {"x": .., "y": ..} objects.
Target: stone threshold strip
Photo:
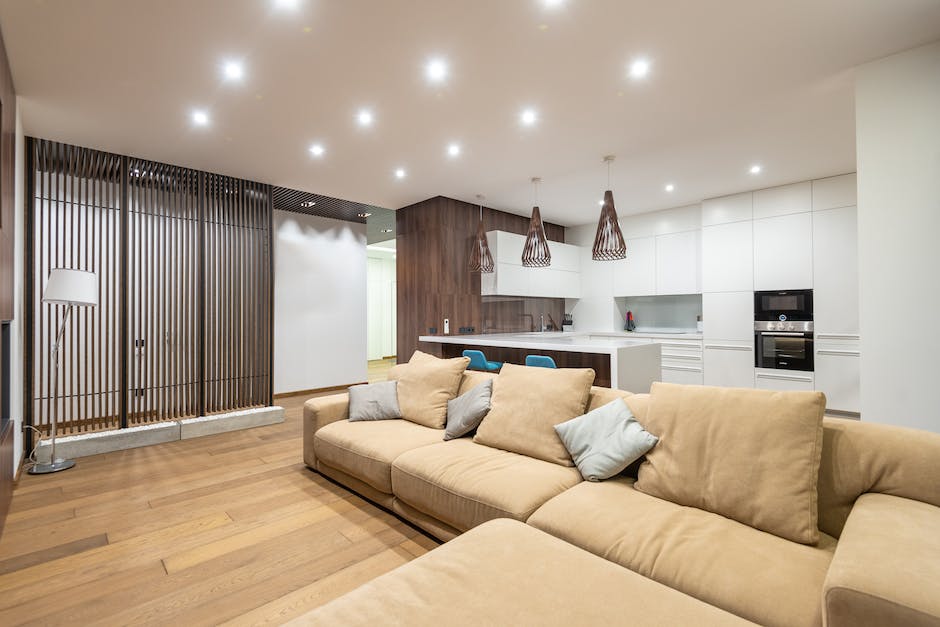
[{"x": 86, "y": 444}]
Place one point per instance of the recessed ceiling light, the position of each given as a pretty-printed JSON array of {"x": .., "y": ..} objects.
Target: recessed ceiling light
[
  {"x": 600, "y": 203},
  {"x": 386, "y": 230},
  {"x": 453, "y": 150},
  {"x": 400, "y": 173},
  {"x": 233, "y": 71},
  {"x": 639, "y": 68},
  {"x": 551, "y": 4},
  {"x": 436, "y": 70},
  {"x": 286, "y": 4},
  {"x": 670, "y": 187},
  {"x": 528, "y": 117},
  {"x": 365, "y": 117},
  {"x": 308, "y": 203},
  {"x": 756, "y": 168},
  {"x": 363, "y": 215},
  {"x": 317, "y": 150},
  {"x": 200, "y": 118}
]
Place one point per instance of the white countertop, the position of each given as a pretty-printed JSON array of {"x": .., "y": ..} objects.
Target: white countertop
[
  {"x": 556, "y": 341},
  {"x": 681, "y": 335}
]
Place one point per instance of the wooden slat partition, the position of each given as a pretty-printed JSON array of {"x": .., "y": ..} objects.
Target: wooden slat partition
[
  {"x": 183, "y": 260},
  {"x": 75, "y": 211}
]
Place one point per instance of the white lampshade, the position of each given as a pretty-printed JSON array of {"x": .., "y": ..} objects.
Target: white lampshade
[{"x": 71, "y": 287}]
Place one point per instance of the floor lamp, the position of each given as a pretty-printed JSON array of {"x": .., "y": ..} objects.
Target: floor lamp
[{"x": 70, "y": 288}]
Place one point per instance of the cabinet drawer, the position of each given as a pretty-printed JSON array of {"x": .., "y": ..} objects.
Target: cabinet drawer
[
  {"x": 783, "y": 380},
  {"x": 682, "y": 375},
  {"x": 729, "y": 365}
]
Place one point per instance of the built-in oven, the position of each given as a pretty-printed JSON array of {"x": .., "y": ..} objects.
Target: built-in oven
[
  {"x": 783, "y": 329},
  {"x": 784, "y": 345}
]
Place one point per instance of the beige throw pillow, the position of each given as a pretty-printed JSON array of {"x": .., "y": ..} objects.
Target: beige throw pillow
[
  {"x": 425, "y": 384},
  {"x": 750, "y": 455},
  {"x": 526, "y": 405}
]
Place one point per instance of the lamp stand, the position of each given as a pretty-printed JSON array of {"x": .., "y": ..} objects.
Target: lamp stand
[{"x": 55, "y": 465}]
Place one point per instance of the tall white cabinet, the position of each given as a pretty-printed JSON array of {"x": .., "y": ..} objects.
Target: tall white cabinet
[
  {"x": 728, "y": 291},
  {"x": 835, "y": 279}
]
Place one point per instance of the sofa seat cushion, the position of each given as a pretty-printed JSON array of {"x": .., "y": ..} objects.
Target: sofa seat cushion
[
  {"x": 751, "y": 573},
  {"x": 464, "y": 484},
  {"x": 366, "y": 450},
  {"x": 506, "y": 573}
]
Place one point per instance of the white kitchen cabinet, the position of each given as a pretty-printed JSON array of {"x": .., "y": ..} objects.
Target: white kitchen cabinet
[
  {"x": 728, "y": 316},
  {"x": 736, "y": 208},
  {"x": 552, "y": 283},
  {"x": 564, "y": 256},
  {"x": 684, "y": 375},
  {"x": 835, "y": 271},
  {"x": 834, "y": 192},
  {"x": 837, "y": 376},
  {"x": 562, "y": 279},
  {"x": 783, "y": 200},
  {"x": 783, "y": 380},
  {"x": 783, "y": 252},
  {"x": 728, "y": 257},
  {"x": 678, "y": 257},
  {"x": 729, "y": 364},
  {"x": 636, "y": 275}
]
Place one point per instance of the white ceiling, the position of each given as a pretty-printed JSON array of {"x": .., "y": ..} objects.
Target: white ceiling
[{"x": 732, "y": 83}]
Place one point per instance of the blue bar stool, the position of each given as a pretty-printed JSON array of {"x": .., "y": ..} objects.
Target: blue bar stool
[
  {"x": 478, "y": 361},
  {"x": 540, "y": 361}
]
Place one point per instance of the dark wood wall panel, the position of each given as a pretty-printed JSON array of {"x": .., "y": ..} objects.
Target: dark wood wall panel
[
  {"x": 433, "y": 246},
  {"x": 563, "y": 359},
  {"x": 7, "y": 213}
]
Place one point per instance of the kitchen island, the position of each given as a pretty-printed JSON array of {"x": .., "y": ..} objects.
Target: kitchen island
[{"x": 619, "y": 363}]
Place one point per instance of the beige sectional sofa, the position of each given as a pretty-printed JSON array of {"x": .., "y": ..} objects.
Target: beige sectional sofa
[{"x": 876, "y": 561}]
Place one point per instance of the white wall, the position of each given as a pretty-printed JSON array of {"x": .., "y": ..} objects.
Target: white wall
[
  {"x": 381, "y": 305},
  {"x": 16, "y": 327},
  {"x": 898, "y": 153},
  {"x": 319, "y": 302}
]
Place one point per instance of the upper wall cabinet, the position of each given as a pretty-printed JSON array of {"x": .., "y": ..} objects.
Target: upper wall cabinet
[
  {"x": 510, "y": 278},
  {"x": 635, "y": 275},
  {"x": 728, "y": 257},
  {"x": 783, "y": 252},
  {"x": 677, "y": 263},
  {"x": 835, "y": 192},
  {"x": 736, "y": 208},
  {"x": 783, "y": 200}
]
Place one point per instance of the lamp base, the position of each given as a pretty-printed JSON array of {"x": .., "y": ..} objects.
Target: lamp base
[{"x": 56, "y": 466}]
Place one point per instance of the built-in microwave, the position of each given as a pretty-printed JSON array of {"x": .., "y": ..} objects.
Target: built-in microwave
[{"x": 783, "y": 305}]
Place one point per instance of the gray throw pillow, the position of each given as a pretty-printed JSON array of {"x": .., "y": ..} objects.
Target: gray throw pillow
[
  {"x": 466, "y": 412},
  {"x": 375, "y": 401},
  {"x": 605, "y": 441}
]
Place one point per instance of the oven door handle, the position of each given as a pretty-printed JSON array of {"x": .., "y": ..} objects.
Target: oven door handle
[{"x": 783, "y": 333}]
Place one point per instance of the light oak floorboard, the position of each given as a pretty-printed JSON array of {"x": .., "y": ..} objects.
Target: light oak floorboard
[{"x": 227, "y": 528}]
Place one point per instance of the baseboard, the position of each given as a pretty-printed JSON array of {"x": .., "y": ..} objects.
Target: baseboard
[{"x": 332, "y": 388}]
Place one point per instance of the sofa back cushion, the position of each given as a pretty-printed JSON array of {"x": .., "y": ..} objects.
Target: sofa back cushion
[
  {"x": 860, "y": 457},
  {"x": 749, "y": 455},
  {"x": 526, "y": 405},
  {"x": 425, "y": 384}
]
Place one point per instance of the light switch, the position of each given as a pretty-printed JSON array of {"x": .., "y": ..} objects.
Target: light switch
[{"x": 446, "y": 326}]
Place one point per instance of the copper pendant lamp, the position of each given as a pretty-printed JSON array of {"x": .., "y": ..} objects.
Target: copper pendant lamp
[
  {"x": 535, "y": 253},
  {"x": 608, "y": 241},
  {"x": 480, "y": 258}
]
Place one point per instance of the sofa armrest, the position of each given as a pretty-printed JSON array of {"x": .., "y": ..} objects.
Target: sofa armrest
[
  {"x": 319, "y": 412},
  {"x": 886, "y": 568}
]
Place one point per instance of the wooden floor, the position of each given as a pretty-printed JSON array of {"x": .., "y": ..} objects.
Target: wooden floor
[{"x": 230, "y": 528}]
